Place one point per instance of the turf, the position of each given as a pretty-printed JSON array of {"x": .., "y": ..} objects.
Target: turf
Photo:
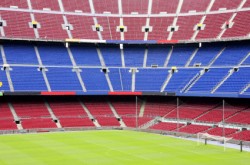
[{"x": 112, "y": 147}]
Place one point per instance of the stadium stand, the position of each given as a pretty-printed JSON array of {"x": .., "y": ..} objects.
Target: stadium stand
[
  {"x": 180, "y": 79},
  {"x": 106, "y": 6},
  {"x": 206, "y": 54},
  {"x": 85, "y": 56},
  {"x": 134, "y": 55},
  {"x": 70, "y": 113},
  {"x": 63, "y": 78},
  {"x": 111, "y": 55},
  {"x": 190, "y": 110},
  {"x": 240, "y": 118},
  {"x": 58, "y": 51},
  {"x": 157, "y": 55},
  {"x": 166, "y": 126},
  {"x": 6, "y": 118},
  {"x": 158, "y": 107},
  {"x": 18, "y": 53},
  {"x": 90, "y": 77},
  {"x": 53, "y": 26},
  {"x": 76, "y": 5},
  {"x": 180, "y": 55},
  {"x": 27, "y": 79},
  {"x": 19, "y": 4},
  {"x": 101, "y": 112},
  {"x": 150, "y": 79},
  {"x": 218, "y": 131},
  {"x": 40, "y": 5},
  {"x": 194, "y": 129},
  {"x": 243, "y": 135},
  {"x": 236, "y": 82},
  {"x": 33, "y": 114},
  {"x": 140, "y": 6},
  {"x": 209, "y": 80}
]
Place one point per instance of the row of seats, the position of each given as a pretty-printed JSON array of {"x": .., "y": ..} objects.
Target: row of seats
[
  {"x": 128, "y": 6},
  {"x": 51, "y": 24},
  {"x": 62, "y": 76},
  {"x": 33, "y": 113},
  {"x": 55, "y": 54}
]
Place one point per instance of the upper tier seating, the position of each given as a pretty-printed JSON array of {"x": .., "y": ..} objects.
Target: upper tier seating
[
  {"x": 63, "y": 79},
  {"x": 18, "y": 53},
  {"x": 150, "y": 79},
  {"x": 133, "y": 14},
  {"x": 134, "y": 55},
  {"x": 209, "y": 80},
  {"x": 27, "y": 79},
  {"x": 157, "y": 55},
  {"x": 180, "y": 55},
  {"x": 180, "y": 78},
  {"x": 27, "y": 67},
  {"x": 236, "y": 82}
]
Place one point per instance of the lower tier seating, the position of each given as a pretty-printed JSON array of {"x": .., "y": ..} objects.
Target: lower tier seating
[
  {"x": 218, "y": 131},
  {"x": 76, "y": 122},
  {"x": 166, "y": 126},
  {"x": 243, "y": 135},
  {"x": 38, "y": 123},
  {"x": 194, "y": 129}
]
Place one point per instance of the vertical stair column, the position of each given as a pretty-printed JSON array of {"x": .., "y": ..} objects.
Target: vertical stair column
[
  {"x": 230, "y": 72},
  {"x": 33, "y": 20},
  {"x": 53, "y": 116},
  {"x": 168, "y": 57},
  {"x": 142, "y": 109},
  {"x": 202, "y": 20},
  {"x": 116, "y": 114},
  {"x": 2, "y": 33},
  {"x": 42, "y": 69},
  {"x": 108, "y": 81},
  {"x": 7, "y": 69},
  {"x": 92, "y": 8},
  {"x": 170, "y": 74},
  {"x": 104, "y": 68},
  {"x": 66, "y": 26},
  {"x": 121, "y": 20},
  {"x": 133, "y": 72},
  {"x": 145, "y": 58},
  {"x": 230, "y": 22},
  {"x": 91, "y": 117},
  {"x": 148, "y": 27},
  {"x": 16, "y": 118},
  {"x": 76, "y": 69},
  {"x": 191, "y": 57},
  {"x": 178, "y": 10},
  {"x": 122, "y": 55}
]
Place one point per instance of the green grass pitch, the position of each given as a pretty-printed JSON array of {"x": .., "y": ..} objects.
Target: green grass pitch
[{"x": 112, "y": 147}]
